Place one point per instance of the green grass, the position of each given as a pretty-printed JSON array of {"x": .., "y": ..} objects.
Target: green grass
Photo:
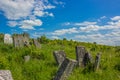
[{"x": 42, "y": 65}]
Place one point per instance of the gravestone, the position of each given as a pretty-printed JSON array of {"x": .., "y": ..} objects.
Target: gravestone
[
  {"x": 80, "y": 52},
  {"x": 97, "y": 61},
  {"x": 65, "y": 69},
  {"x": 36, "y": 43},
  {"x": 20, "y": 40},
  {"x": 5, "y": 75},
  {"x": 27, "y": 58},
  {"x": 59, "y": 56},
  {"x": 8, "y": 39},
  {"x": 87, "y": 59}
]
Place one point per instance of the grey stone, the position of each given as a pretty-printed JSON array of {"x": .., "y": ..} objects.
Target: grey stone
[
  {"x": 27, "y": 58},
  {"x": 5, "y": 75},
  {"x": 65, "y": 69},
  {"x": 97, "y": 61},
  {"x": 80, "y": 52},
  {"x": 20, "y": 40},
  {"x": 59, "y": 56},
  {"x": 8, "y": 39},
  {"x": 36, "y": 43},
  {"x": 87, "y": 59}
]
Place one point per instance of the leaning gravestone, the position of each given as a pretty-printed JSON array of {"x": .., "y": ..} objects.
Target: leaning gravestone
[
  {"x": 5, "y": 75},
  {"x": 8, "y": 39},
  {"x": 80, "y": 52},
  {"x": 59, "y": 56},
  {"x": 87, "y": 59},
  {"x": 65, "y": 69},
  {"x": 36, "y": 43}
]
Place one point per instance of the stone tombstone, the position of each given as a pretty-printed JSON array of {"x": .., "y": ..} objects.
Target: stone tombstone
[
  {"x": 65, "y": 69},
  {"x": 87, "y": 59},
  {"x": 80, "y": 52},
  {"x": 5, "y": 75},
  {"x": 8, "y": 39},
  {"x": 20, "y": 40},
  {"x": 97, "y": 61},
  {"x": 36, "y": 43},
  {"x": 59, "y": 56},
  {"x": 27, "y": 58}
]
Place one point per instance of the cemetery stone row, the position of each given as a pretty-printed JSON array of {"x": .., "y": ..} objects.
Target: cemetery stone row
[{"x": 83, "y": 58}]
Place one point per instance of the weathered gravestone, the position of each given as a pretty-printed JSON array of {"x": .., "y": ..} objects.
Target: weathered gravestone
[
  {"x": 8, "y": 39},
  {"x": 5, "y": 75},
  {"x": 65, "y": 69},
  {"x": 59, "y": 56},
  {"x": 36, "y": 43},
  {"x": 20, "y": 40},
  {"x": 97, "y": 61},
  {"x": 87, "y": 59},
  {"x": 80, "y": 52},
  {"x": 27, "y": 58}
]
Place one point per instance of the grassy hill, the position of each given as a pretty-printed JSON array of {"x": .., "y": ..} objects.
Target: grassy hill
[{"x": 42, "y": 65}]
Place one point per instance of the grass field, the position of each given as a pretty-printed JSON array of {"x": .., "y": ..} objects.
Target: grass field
[{"x": 42, "y": 65}]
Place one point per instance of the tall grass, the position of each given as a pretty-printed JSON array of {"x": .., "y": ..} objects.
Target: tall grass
[{"x": 42, "y": 65}]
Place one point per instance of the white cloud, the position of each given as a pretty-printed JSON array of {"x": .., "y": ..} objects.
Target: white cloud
[
  {"x": 90, "y": 28},
  {"x": 86, "y": 23},
  {"x": 103, "y": 17},
  {"x": 58, "y": 2},
  {"x": 99, "y": 38},
  {"x": 95, "y": 27},
  {"x": 29, "y": 24},
  {"x": 23, "y": 10},
  {"x": 12, "y": 23},
  {"x": 66, "y": 24},
  {"x": 16, "y": 9},
  {"x": 42, "y": 14},
  {"x": 115, "y": 18},
  {"x": 65, "y": 31},
  {"x": 86, "y": 31}
]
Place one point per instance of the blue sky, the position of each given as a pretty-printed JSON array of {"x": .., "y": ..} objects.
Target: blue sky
[{"x": 81, "y": 20}]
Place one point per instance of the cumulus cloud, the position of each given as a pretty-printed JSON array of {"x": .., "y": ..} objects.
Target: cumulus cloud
[
  {"x": 58, "y": 2},
  {"x": 99, "y": 38},
  {"x": 19, "y": 11},
  {"x": 115, "y": 18},
  {"x": 42, "y": 14},
  {"x": 16, "y": 9},
  {"x": 89, "y": 28},
  {"x": 65, "y": 31},
  {"x": 28, "y": 24},
  {"x": 108, "y": 33},
  {"x": 12, "y": 23},
  {"x": 103, "y": 17},
  {"x": 86, "y": 23}
]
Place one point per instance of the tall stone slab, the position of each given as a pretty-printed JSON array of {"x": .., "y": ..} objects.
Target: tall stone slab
[
  {"x": 5, "y": 75},
  {"x": 87, "y": 59},
  {"x": 8, "y": 39},
  {"x": 20, "y": 40},
  {"x": 80, "y": 52},
  {"x": 65, "y": 69},
  {"x": 36, "y": 43},
  {"x": 59, "y": 56}
]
